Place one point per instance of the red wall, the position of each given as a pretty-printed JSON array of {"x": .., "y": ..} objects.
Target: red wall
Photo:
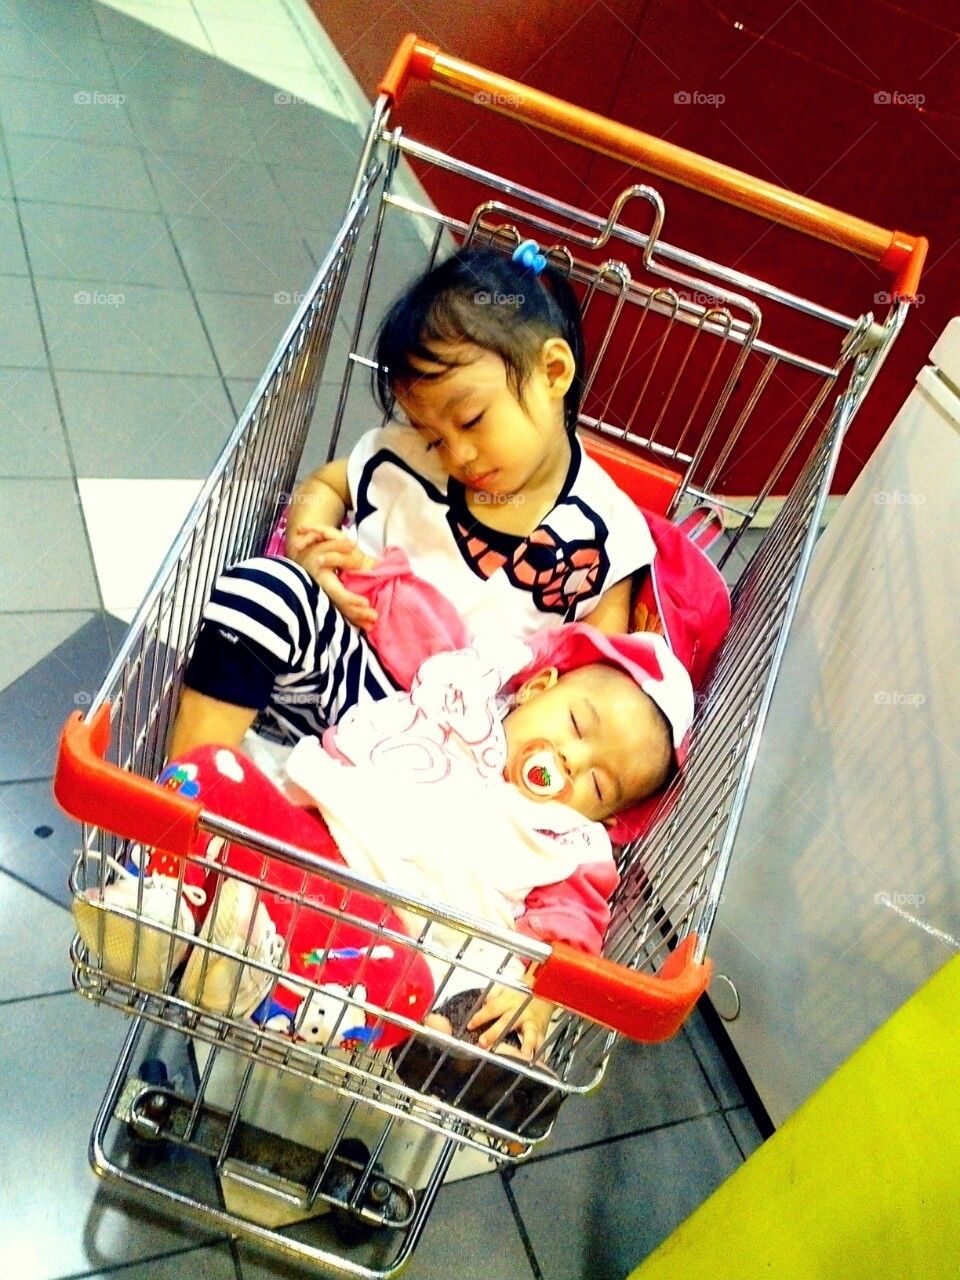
[{"x": 798, "y": 85}]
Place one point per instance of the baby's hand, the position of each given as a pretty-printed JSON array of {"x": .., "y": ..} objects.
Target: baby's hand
[
  {"x": 501, "y": 1008},
  {"x": 323, "y": 551}
]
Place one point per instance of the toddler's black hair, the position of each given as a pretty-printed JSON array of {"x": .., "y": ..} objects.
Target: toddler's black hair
[{"x": 483, "y": 297}]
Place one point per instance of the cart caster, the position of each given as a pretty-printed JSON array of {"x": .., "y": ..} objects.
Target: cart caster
[
  {"x": 352, "y": 1229},
  {"x": 148, "y": 1149}
]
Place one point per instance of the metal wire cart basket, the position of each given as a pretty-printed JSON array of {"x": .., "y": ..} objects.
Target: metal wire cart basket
[{"x": 330, "y": 1153}]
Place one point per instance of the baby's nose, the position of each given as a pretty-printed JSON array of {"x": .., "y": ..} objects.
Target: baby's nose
[{"x": 574, "y": 756}]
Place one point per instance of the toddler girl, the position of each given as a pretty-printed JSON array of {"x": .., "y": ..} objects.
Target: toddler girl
[{"x": 487, "y": 489}]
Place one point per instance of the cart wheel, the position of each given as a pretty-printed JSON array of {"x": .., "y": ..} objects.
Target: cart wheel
[
  {"x": 351, "y": 1229},
  {"x": 153, "y": 1071}
]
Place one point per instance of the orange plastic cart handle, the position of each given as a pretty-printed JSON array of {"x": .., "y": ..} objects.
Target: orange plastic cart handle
[
  {"x": 900, "y": 254},
  {"x": 642, "y": 1006},
  {"x": 103, "y": 795}
]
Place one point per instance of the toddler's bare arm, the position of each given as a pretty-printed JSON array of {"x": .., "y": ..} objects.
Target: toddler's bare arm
[{"x": 315, "y": 541}]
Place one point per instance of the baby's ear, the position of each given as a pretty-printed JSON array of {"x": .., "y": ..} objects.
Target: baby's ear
[{"x": 537, "y": 684}]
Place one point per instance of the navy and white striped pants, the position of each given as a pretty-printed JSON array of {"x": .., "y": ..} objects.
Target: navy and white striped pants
[{"x": 272, "y": 641}]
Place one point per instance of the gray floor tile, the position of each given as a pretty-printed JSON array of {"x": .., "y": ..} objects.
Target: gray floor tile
[
  {"x": 240, "y": 390},
  {"x": 732, "y": 568},
  {"x": 471, "y": 1234},
  {"x": 712, "y": 1061},
  {"x": 110, "y": 245},
  {"x": 13, "y": 260},
  {"x": 33, "y": 709},
  {"x": 245, "y": 330},
  {"x": 82, "y": 110},
  {"x": 20, "y": 338},
  {"x": 25, "y": 638},
  {"x": 165, "y": 122},
  {"x": 52, "y": 19},
  {"x": 123, "y": 328},
  {"x": 66, "y": 1221},
  {"x": 217, "y": 186},
  {"x": 52, "y": 569},
  {"x": 645, "y": 1085},
  {"x": 137, "y": 426},
  {"x": 459, "y": 1237},
  {"x": 317, "y": 197},
  {"x": 50, "y": 55},
  {"x": 30, "y": 926},
  {"x": 249, "y": 257},
  {"x": 61, "y": 171},
  {"x": 208, "y": 1262},
  {"x": 360, "y": 415},
  {"x": 296, "y": 131},
  {"x": 37, "y": 839},
  {"x": 31, "y": 441},
  {"x": 401, "y": 257},
  {"x": 744, "y": 1129},
  {"x": 597, "y": 1213},
  {"x": 149, "y": 61}
]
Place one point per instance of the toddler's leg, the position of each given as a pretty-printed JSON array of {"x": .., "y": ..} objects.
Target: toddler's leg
[{"x": 271, "y": 640}]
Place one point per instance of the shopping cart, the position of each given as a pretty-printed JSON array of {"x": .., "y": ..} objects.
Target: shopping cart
[{"x": 685, "y": 363}]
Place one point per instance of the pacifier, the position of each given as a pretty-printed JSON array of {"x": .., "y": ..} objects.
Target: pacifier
[{"x": 540, "y": 773}]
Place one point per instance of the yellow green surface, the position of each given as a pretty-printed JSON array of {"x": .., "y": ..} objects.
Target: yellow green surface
[{"x": 863, "y": 1181}]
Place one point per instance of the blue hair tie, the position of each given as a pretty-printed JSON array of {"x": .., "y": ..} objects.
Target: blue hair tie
[{"x": 528, "y": 255}]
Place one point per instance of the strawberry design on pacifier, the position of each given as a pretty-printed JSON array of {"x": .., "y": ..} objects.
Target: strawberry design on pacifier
[{"x": 540, "y": 773}]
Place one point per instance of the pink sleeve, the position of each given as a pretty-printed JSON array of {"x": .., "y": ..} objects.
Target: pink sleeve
[
  {"x": 414, "y": 619},
  {"x": 575, "y": 910}
]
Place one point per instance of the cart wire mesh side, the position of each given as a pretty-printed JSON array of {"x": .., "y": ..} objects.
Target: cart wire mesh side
[{"x": 685, "y": 354}]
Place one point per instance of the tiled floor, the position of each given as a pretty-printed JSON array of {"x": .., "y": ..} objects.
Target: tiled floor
[{"x": 159, "y": 210}]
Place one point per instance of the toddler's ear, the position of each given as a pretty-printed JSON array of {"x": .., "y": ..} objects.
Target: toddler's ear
[
  {"x": 558, "y": 365},
  {"x": 537, "y": 684}
]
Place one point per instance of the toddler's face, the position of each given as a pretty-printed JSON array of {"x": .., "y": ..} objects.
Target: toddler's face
[
  {"x": 591, "y": 739},
  {"x": 484, "y": 436}
]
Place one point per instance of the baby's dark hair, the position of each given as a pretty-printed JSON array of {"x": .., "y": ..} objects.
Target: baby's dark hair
[{"x": 483, "y": 297}]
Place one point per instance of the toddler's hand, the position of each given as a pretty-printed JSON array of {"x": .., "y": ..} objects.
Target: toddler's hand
[
  {"x": 323, "y": 551},
  {"x": 326, "y": 548},
  {"x": 501, "y": 1008}
]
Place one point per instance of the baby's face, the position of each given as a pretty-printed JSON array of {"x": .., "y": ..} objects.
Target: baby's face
[{"x": 591, "y": 739}]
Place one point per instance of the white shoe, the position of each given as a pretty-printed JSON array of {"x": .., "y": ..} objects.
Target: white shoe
[
  {"x": 223, "y": 984},
  {"x": 128, "y": 947}
]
